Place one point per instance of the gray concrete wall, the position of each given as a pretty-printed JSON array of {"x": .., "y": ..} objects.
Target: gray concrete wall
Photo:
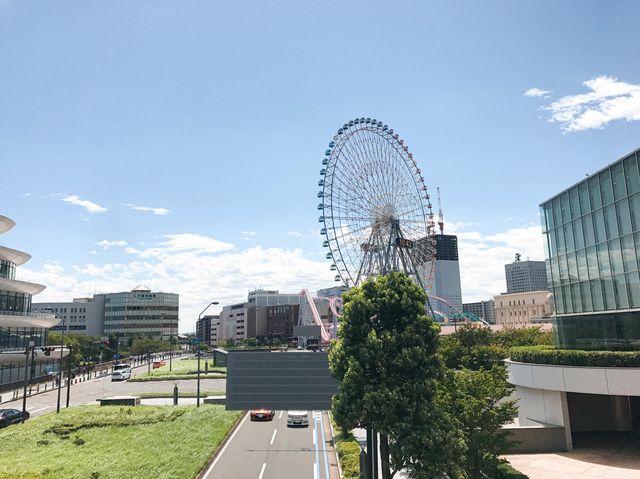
[
  {"x": 537, "y": 439},
  {"x": 279, "y": 380}
]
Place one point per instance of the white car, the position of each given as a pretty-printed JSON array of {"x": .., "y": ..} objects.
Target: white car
[
  {"x": 121, "y": 375},
  {"x": 298, "y": 418}
]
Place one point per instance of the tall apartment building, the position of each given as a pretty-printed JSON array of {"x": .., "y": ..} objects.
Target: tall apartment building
[
  {"x": 20, "y": 327},
  {"x": 523, "y": 276},
  {"x": 446, "y": 279},
  {"x": 204, "y": 328},
  {"x": 482, "y": 309}
]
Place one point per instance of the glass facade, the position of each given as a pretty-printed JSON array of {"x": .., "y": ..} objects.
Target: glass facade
[
  {"x": 7, "y": 269},
  {"x": 12, "y": 301},
  {"x": 592, "y": 248},
  {"x": 141, "y": 313}
]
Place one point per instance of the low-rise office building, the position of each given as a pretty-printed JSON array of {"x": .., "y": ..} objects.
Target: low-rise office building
[
  {"x": 522, "y": 309},
  {"x": 80, "y": 316},
  {"x": 484, "y": 310}
]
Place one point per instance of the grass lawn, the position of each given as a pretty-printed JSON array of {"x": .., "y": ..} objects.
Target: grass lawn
[
  {"x": 185, "y": 367},
  {"x": 115, "y": 441}
]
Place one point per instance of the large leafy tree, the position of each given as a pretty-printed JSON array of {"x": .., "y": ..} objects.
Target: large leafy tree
[
  {"x": 385, "y": 359},
  {"x": 477, "y": 401}
]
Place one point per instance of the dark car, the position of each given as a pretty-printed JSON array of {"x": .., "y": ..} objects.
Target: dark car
[
  {"x": 262, "y": 415},
  {"x": 11, "y": 416}
]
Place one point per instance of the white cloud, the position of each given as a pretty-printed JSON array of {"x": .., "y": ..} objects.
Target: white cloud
[
  {"x": 295, "y": 233},
  {"x": 185, "y": 264},
  {"x": 536, "y": 92},
  {"x": 106, "y": 243},
  {"x": 249, "y": 233},
  {"x": 155, "y": 211},
  {"x": 25, "y": 195},
  {"x": 608, "y": 100},
  {"x": 90, "y": 206},
  {"x": 482, "y": 258}
]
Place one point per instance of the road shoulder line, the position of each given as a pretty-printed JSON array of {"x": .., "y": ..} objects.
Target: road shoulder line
[{"x": 221, "y": 448}]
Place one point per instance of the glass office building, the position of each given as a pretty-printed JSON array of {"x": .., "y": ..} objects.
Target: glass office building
[{"x": 592, "y": 247}]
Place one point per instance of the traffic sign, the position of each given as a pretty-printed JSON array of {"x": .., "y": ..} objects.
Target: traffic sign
[{"x": 116, "y": 356}]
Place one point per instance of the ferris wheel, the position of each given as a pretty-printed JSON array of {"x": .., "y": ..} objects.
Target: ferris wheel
[{"x": 376, "y": 212}]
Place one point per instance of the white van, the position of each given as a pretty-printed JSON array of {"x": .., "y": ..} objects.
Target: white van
[{"x": 298, "y": 418}]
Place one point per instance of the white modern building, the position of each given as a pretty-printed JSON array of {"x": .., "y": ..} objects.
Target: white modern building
[
  {"x": 80, "y": 316},
  {"x": 23, "y": 333}
]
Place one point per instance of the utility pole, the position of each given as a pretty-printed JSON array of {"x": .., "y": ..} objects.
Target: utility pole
[{"x": 69, "y": 376}]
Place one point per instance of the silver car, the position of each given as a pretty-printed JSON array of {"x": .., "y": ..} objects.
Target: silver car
[{"x": 298, "y": 418}]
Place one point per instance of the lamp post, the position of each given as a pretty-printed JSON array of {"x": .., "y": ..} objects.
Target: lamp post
[
  {"x": 27, "y": 377},
  {"x": 61, "y": 353},
  {"x": 198, "y": 388}
]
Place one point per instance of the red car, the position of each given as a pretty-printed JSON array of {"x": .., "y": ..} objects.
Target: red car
[{"x": 262, "y": 415}]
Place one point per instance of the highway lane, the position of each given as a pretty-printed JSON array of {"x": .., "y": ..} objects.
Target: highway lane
[{"x": 271, "y": 450}]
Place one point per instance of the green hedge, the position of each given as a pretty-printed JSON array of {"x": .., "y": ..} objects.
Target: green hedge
[
  {"x": 575, "y": 357},
  {"x": 506, "y": 471}
]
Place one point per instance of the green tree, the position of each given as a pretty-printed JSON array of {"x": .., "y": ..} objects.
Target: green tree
[
  {"x": 476, "y": 400},
  {"x": 385, "y": 359}
]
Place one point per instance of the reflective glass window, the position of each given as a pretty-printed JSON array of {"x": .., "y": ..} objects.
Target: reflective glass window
[
  {"x": 553, "y": 242},
  {"x": 564, "y": 207},
  {"x": 573, "y": 267},
  {"x": 578, "y": 236},
  {"x": 615, "y": 254},
  {"x": 555, "y": 272},
  {"x": 620, "y": 284},
  {"x": 548, "y": 216},
  {"x": 594, "y": 193},
  {"x": 576, "y": 298},
  {"x": 583, "y": 271},
  {"x": 611, "y": 221},
  {"x": 633, "y": 281},
  {"x": 568, "y": 237},
  {"x": 624, "y": 217},
  {"x": 592, "y": 262},
  {"x": 634, "y": 206},
  {"x": 557, "y": 213},
  {"x": 583, "y": 193},
  {"x": 603, "y": 260},
  {"x": 585, "y": 292},
  {"x": 566, "y": 296},
  {"x": 562, "y": 264},
  {"x": 560, "y": 240},
  {"x": 587, "y": 228},
  {"x": 617, "y": 176},
  {"x": 599, "y": 228},
  {"x": 574, "y": 203},
  {"x": 558, "y": 300},
  {"x": 545, "y": 244},
  {"x": 628, "y": 253},
  {"x": 631, "y": 174},
  {"x": 609, "y": 294},
  {"x": 605, "y": 187},
  {"x": 596, "y": 295}
]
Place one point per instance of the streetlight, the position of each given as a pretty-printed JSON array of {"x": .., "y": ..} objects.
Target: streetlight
[
  {"x": 27, "y": 376},
  {"x": 199, "y": 318},
  {"x": 61, "y": 353}
]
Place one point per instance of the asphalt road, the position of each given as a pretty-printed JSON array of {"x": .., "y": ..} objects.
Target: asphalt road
[
  {"x": 89, "y": 391},
  {"x": 271, "y": 450}
]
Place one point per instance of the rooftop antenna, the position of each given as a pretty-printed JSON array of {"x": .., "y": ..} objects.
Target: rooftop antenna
[
  {"x": 518, "y": 256},
  {"x": 440, "y": 215}
]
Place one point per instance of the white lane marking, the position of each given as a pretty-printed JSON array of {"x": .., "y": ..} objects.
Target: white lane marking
[
  {"x": 246, "y": 415},
  {"x": 280, "y": 416},
  {"x": 262, "y": 470},
  {"x": 315, "y": 471},
  {"x": 273, "y": 437},
  {"x": 38, "y": 410},
  {"x": 324, "y": 448},
  {"x": 314, "y": 436}
]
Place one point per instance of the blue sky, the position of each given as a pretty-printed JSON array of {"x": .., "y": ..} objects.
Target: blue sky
[{"x": 219, "y": 113}]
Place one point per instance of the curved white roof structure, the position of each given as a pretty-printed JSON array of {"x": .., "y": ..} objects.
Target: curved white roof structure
[
  {"x": 6, "y": 224},
  {"x": 21, "y": 286},
  {"x": 14, "y": 256},
  {"x": 141, "y": 289}
]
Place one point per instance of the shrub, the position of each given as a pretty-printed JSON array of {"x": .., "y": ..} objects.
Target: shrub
[
  {"x": 575, "y": 357},
  {"x": 349, "y": 453},
  {"x": 506, "y": 471}
]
